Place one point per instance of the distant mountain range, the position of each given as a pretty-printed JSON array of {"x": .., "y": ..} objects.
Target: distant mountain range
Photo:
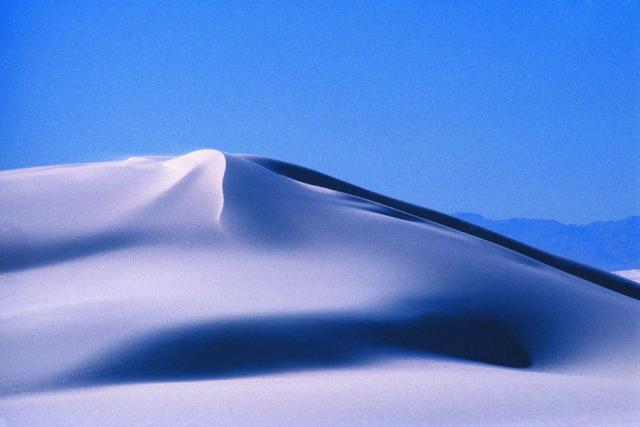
[{"x": 608, "y": 245}]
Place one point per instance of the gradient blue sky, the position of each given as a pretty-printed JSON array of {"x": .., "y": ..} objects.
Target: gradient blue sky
[{"x": 502, "y": 108}]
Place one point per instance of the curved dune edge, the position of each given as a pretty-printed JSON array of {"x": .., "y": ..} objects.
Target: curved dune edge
[{"x": 608, "y": 280}]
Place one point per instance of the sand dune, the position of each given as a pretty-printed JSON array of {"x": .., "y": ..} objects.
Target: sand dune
[{"x": 218, "y": 289}]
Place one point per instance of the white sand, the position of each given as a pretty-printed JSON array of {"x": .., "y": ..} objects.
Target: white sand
[{"x": 208, "y": 289}]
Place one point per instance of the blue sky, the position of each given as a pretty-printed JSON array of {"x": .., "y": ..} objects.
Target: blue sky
[{"x": 502, "y": 108}]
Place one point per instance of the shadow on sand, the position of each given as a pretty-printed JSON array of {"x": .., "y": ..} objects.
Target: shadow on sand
[{"x": 269, "y": 344}]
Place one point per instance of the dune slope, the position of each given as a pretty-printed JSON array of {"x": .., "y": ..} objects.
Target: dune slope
[{"x": 233, "y": 290}]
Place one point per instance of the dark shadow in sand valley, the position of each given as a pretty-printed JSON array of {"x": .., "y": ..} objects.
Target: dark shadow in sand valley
[{"x": 278, "y": 343}]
